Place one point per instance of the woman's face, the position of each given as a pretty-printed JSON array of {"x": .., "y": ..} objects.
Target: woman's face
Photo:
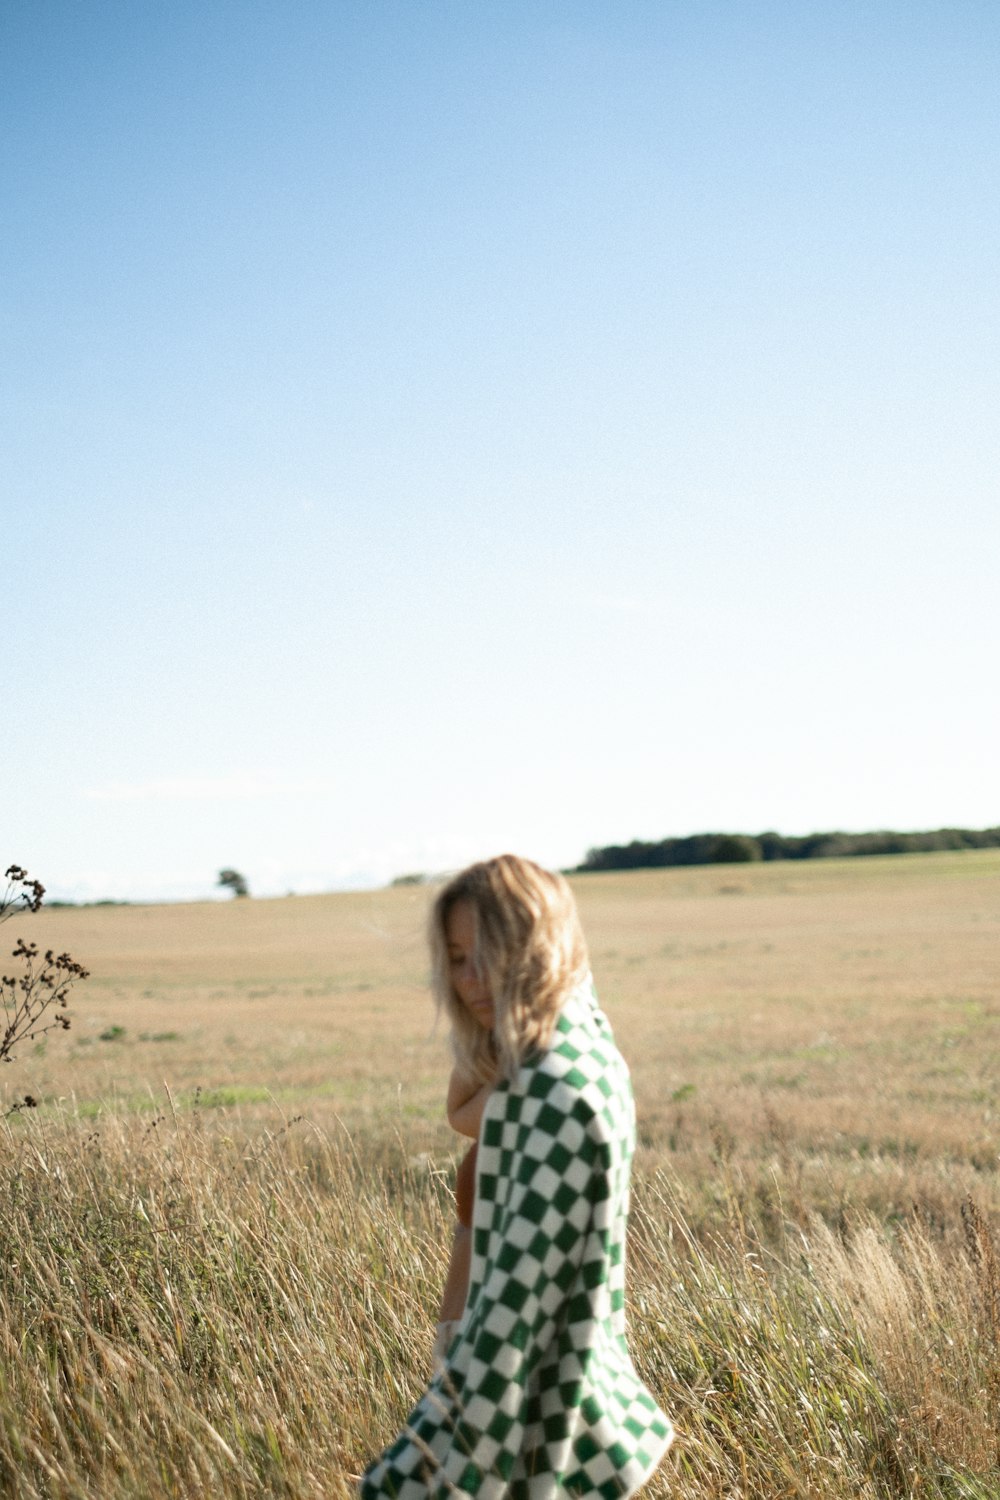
[{"x": 466, "y": 980}]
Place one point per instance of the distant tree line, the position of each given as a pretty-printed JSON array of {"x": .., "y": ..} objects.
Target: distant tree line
[{"x": 743, "y": 848}]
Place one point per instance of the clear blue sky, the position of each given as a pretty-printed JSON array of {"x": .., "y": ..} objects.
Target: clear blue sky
[{"x": 434, "y": 428}]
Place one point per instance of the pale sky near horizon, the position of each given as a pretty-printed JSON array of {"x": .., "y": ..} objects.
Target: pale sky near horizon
[{"x": 429, "y": 429}]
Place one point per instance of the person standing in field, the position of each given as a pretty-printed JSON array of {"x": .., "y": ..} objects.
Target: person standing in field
[{"x": 534, "y": 1396}]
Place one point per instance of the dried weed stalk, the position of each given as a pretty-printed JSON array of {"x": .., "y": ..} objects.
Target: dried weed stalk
[{"x": 35, "y": 999}]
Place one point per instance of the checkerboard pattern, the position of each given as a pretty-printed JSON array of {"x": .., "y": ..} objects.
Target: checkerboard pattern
[{"x": 538, "y": 1398}]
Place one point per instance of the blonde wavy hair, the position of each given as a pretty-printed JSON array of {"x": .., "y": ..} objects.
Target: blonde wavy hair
[{"x": 529, "y": 947}]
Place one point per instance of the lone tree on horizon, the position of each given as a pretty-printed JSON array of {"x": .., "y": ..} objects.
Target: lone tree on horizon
[{"x": 234, "y": 881}]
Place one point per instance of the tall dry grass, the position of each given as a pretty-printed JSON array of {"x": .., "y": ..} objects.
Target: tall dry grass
[
  {"x": 187, "y": 1312},
  {"x": 187, "y": 1309}
]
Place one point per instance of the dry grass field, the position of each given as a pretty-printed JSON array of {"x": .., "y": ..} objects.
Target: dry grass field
[{"x": 225, "y": 1225}]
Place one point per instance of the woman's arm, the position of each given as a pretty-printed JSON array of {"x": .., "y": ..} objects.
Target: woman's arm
[
  {"x": 456, "y": 1286},
  {"x": 466, "y": 1102}
]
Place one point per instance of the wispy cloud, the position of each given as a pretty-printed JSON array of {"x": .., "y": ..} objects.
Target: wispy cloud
[
  {"x": 241, "y": 786},
  {"x": 628, "y": 604}
]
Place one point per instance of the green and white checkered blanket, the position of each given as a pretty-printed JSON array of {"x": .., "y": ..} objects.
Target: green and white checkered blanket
[{"x": 538, "y": 1398}]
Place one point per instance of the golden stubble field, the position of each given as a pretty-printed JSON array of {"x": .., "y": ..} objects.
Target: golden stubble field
[{"x": 844, "y": 1015}]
